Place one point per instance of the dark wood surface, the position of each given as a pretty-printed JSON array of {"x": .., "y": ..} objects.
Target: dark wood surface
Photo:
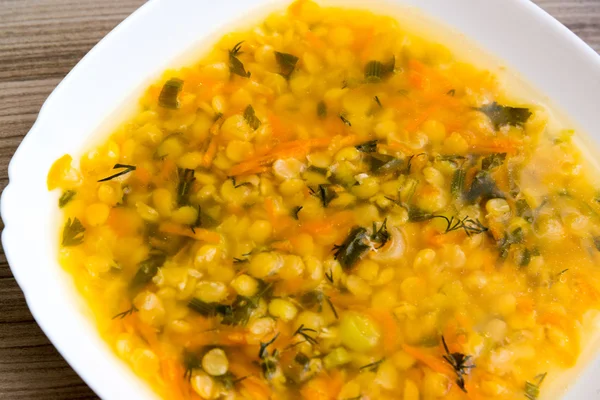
[{"x": 40, "y": 41}]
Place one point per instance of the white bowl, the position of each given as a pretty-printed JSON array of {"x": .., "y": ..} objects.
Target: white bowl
[{"x": 527, "y": 39}]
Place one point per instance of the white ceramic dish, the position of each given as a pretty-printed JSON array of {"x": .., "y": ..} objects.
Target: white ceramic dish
[{"x": 527, "y": 39}]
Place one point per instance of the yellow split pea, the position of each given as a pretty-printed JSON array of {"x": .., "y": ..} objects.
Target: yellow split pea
[{"x": 327, "y": 206}]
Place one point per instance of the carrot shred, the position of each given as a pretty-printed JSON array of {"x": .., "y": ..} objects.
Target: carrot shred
[
  {"x": 198, "y": 233},
  {"x": 291, "y": 149},
  {"x": 211, "y": 152},
  {"x": 314, "y": 40},
  {"x": 325, "y": 226},
  {"x": 172, "y": 371},
  {"x": 399, "y": 146},
  {"x": 389, "y": 328},
  {"x": 435, "y": 363}
]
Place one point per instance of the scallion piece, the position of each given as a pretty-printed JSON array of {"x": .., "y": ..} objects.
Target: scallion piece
[
  {"x": 168, "y": 94},
  {"x": 287, "y": 63}
]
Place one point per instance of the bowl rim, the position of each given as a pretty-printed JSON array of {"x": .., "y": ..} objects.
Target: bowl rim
[{"x": 14, "y": 239}]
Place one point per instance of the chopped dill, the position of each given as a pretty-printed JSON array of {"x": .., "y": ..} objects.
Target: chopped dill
[
  {"x": 304, "y": 332},
  {"x": 125, "y": 313},
  {"x": 127, "y": 169},
  {"x": 235, "y": 65},
  {"x": 72, "y": 233},
  {"x": 66, "y": 197},
  {"x": 458, "y": 362},
  {"x": 372, "y": 367}
]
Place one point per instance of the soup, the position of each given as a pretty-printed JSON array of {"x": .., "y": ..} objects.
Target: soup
[{"x": 329, "y": 207}]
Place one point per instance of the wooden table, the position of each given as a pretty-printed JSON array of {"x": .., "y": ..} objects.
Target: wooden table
[{"x": 40, "y": 41}]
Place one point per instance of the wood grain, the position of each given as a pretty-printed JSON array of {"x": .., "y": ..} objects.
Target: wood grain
[{"x": 40, "y": 41}]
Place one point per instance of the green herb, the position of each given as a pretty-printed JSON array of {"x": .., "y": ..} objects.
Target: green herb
[
  {"x": 66, "y": 197},
  {"x": 198, "y": 222},
  {"x": 295, "y": 211},
  {"x": 458, "y": 362},
  {"x": 147, "y": 269},
  {"x": 321, "y": 109},
  {"x": 235, "y": 65},
  {"x": 305, "y": 333},
  {"x": 372, "y": 367},
  {"x": 525, "y": 258},
  {"x": 243, "y": 307},
  {"x": 169, "y": 92},
  {"x": 191, "y": 362},
  {"x": 351, "y": 83},
  {"x": 302, "y": 359},
  {"x": 270, "y": 366},
  {"x": 236, "y": 313},
  {"x": 561, "y": 272},
  {"x": 409, "y": 161},
  {"x": 353, "y": 248},
  {"x": 335, "y": 314},
  {"x": 345, "y": 120},
  {"x": 325, "y": 193},
  {"x": 510, "y": 238},
  {"x": 263, "y": 352},
  {"x": 186, "y": 180},
  {"x": 329, "y": 276},
  {"x": 228, "y": 380},
  {"x": 532, "y": 389},
  {"x": 493, "y": 161},
  {"x": 417, "y": 215},
  {"x": 317, "y": 297},
  {"x": 368, "y": 147},
  {"x": 503, "y": 115},
  {"x": 484, "y": 187},
  {"x": 287, "y": 63},
  {"x": 458, "y": 182},
  {"x": 380, "y": 235},
  {"x": 128, "y": 169},
  {"x": 72, "y": 233},
  {"x": 523, "y": 210},
  {"x": 469, "y": 225},
  {"x": 126, "y": 313},
  {"x": 381, "y": 164},
  {"x": 251, "y": 117},
  {"x": 596, "y": 240},
  {"x": 378, "y": 102},
  {"x": 238, "y": 185},
  {"x": 453, "y": 158},
  {"x": 451, "y": 92},
  {"x": 375, "y": 71},
  {"x": 209, "y": 309}
]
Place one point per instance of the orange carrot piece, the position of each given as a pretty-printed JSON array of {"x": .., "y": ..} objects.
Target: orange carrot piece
[
  {"x": 253, "y": 386},
  {"x": 172, "y": 373},
  {"x": 435, "y": 363},
  {"x": 167, "y": 171},
  {"x": 198, "y": 233},
  {"x": 389, "y": 327},
  {"x": 399, "y": 146},
  {"x": 315, "y": 41},
  {"x": 291, "y": 149},
  {"x": 142, "y": 175},
  {"x": 322, "y": 388},
  {"x": 335, "y": 221},
  {"x": 495, "y": 145},
  {"x": 278, "y": 128},
  {"x": 419, "y": 119},
  {"x": 211, "y": 152}
]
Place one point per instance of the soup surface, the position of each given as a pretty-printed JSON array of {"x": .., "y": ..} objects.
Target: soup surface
[{"x": 328, "y": 207}]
